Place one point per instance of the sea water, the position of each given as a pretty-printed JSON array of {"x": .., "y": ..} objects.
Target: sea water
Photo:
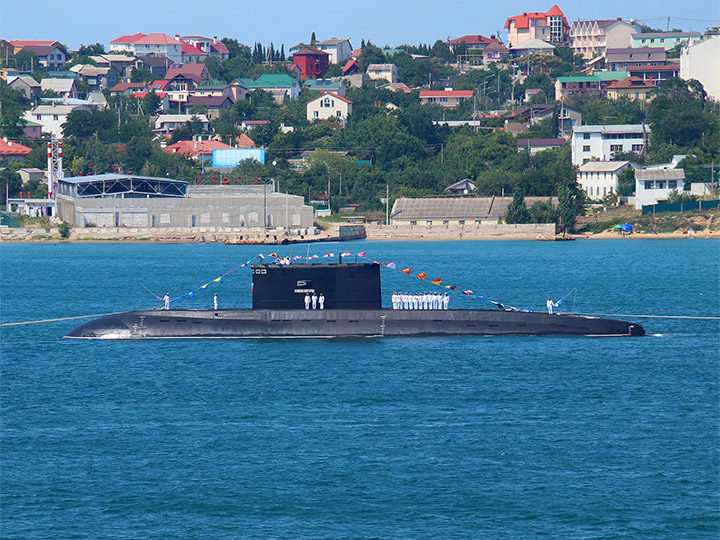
[{"x": 438, "y": 437}]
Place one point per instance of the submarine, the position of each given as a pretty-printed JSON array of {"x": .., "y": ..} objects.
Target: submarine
[{"x": 353, "y": 308}]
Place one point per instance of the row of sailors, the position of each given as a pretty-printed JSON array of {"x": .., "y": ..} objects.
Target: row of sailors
[{"x": 420, "y": 301}]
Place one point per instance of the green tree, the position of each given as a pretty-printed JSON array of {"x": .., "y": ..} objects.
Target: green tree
[
  {"x": 517, "y": 212},
  {"x": 680, "y": 115},
  {"x": 567, "y": 208},
  {"x": 14, "y": 104},
  {"x": 151, "y": 103},
  {"x": 370, "y": 55},
  {"x": 626, "y": 182}
]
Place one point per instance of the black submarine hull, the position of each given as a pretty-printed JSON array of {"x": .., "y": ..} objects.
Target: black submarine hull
[{"x": 299, "y": 323}]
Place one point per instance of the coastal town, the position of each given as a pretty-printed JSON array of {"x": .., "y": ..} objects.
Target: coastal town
[{"x": 547, "y": 129}]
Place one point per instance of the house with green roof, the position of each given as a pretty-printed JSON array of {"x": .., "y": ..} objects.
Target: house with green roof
[
  {"x": 578, "y": 84},
  {"x": 325, "y": 85},
  {"x": 281, "y": 85}
]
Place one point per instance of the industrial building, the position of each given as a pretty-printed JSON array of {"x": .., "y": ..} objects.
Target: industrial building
[{"x": 120, "y": 200}]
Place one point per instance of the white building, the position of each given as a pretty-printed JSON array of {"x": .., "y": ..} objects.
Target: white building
[
  {"x": 52, "y": 116},
  {"x": 387, "y": 72},
  {"x": 591, "y": 38},
  {"x": 329, "y": 106},
  {"x": 149, "y": 45},
  {"x": 602, "y": 142},
  {"x": 654, "y": 185},
  {"x": 165, "y": 123},
  {"x": 600, "y": 178},
  {"x": 338, "y": 49},
  {"x": 700, "y": 61}
]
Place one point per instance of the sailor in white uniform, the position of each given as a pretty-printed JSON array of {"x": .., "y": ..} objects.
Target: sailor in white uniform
[
  {"x": 394, "y": 300},
  {"x": 550, "y": 305},
  {"x": 321, "y": 301},
  {"x": 307, "y": 300},
  {"x": 166, "y": 301},
  {"x": 314, "y": 301},
  {"x": 215, "y": 302},
  {"x": 446, "y": 301}
]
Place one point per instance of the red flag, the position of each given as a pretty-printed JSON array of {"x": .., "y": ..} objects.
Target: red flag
[
  {"x": 406, "y": 271},
  {"x": 468, "y": 292},
  {"x": 313, "y": 257},
  {"x": 346, "y": 254},
  {"x": 436, "y": 281},
  {"x": 329, "y": 255},
  {"x": 361, "y": 254},
  {"x": 421, "y": 275}
]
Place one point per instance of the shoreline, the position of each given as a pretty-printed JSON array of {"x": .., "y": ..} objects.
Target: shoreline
[{"x": 206, "y": 238}]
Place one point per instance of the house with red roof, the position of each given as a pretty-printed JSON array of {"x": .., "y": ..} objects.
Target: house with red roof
[
  {"x": 243, "y": 141},
  {"x": 155, "y": 44},
  {"x": 211, "y": 47},
  {"x": 631, "y": 87},
  {"x": 52, "y": 55},
  {"x": 313, "y": 63},
  {"x": 473, "y": 41},
  {"x": 328, "y": 105},
  {"x": 550, "y": 26},
  {"x": 11, "y": 151},
  {"x": 198, "y": 150},
  {"x": 351, "y": 67},
  {"x": 127, "y": 88},
  {"x": 192, "y": 54},
  {"x": 186, "y": 76},
  {"x": 447, "y": 98}
]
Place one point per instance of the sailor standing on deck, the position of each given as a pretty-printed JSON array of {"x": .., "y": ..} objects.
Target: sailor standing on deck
[
  {"x": 314, "y": 301},
  {"x": 215, "y": 302},
  {"x": 307, "y": 300},
  {"x": 166, "y": 300},
  {"x": 321, "y": 301},
  {"x": 550, "y": 305},
  {"x": 446, "y": 301},
  {"x": 394, "y": 300}
]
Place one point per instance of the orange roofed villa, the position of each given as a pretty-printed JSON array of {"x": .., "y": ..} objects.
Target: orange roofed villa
[{"x": 551, "y": 27}]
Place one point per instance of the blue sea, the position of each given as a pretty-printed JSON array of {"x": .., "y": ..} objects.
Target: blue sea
[{"x": 396, "y": 438}]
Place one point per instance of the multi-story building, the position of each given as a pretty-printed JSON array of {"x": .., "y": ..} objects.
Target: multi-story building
[
  {"x": 593, "y": 38},
  {"x": 338, "y": 49},
  {"x": 579, "y": 84},
  {"x": 604, "y": 141},
  {"x": 700, "y": 62},
  {"x": 617, "y": 59},
  {"x": 329, "y": 106},
  {"x": 386, "y": 72},
  {"x": 634, "y": 88},
  {"x": 600, "y": 178},
  {"x": 313, "y": 63},
  {"x": 550, "y": 26},
  {"x": 51, "y": 55},
  {"x": 149, "y": 45},
  {"x": 211, "y": 47},
  {"x": 666, "y": 40}
]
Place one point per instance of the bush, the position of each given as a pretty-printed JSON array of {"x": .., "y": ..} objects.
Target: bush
[{"x": 64, "y": 230}]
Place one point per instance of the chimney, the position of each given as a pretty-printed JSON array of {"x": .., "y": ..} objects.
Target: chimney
[
  {"x": 5, "y": 139},
  {"x": 214, "y": 39},
  {"x": 9, "y": 142}
]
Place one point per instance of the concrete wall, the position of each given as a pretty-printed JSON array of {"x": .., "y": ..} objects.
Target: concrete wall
[
  {"x": 247, "y": 210},
  {"x": 484, "y": 229}
]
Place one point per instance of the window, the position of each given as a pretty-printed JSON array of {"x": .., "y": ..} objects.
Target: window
[
  {"x": 661, "y": 184},
  {"x": 428, "y": 222},
  {"x": 586, "y": 136},
  {"x": 56, "y": 117},
  {"x": 672, "y": 184},
  {"x": 446, "y": 222},
  {"x": 38, "y": 117},
  {"x": 339, "y": 114},
  {"x": 315, "y": 114},
  {"x": 412, "y": 222},
  {"x": 461, "y": 222},
  {"x": 586, "y": 148},
  {"x": 616, "y": 148},
  {"x": 637, "y": 147}
]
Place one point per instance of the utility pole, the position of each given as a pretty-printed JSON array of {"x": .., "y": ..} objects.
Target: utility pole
[{"x": 387, "y": 203}]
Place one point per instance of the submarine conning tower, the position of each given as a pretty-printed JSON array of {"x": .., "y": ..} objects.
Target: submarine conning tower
[{"x": 344, "y": 285}]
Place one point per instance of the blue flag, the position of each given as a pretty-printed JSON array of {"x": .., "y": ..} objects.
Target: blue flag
[{"x": 191, "y": 294}]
